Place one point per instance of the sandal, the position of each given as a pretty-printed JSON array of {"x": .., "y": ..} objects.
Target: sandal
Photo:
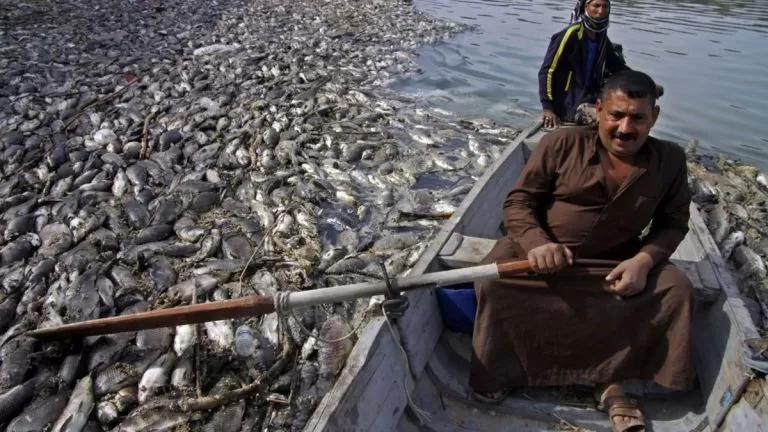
[
  {"x": 622, "y": 406},
  {"x": 493, "y": 398}
]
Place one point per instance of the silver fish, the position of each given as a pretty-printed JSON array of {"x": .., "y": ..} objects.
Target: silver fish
[
  {"x": 221, "y": 334},
  {"x": 40, "y": 413},
  {"x": 156, "y": 376},
  {"x": 78, "y": 409},
  {"x": 183, "y": 339},
  {"x": 227, "y": 419}
]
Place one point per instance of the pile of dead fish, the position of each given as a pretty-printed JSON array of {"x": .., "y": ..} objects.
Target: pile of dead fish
[
  {"x": 733, "y": 197},
  {"x": 169, "y": 152}
]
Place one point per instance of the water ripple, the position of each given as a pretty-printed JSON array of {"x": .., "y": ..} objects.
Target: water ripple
[{"x": 710, "y": 55}]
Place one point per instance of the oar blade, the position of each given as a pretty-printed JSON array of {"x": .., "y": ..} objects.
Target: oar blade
[{"x": 192, "y": 314}]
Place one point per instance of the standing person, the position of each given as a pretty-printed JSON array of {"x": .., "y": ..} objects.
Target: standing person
[
  {"x": 577, "y": 60},
  {"x": 588, "y": 193}
]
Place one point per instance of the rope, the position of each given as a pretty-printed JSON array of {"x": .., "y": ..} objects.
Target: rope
[
  {"x": 282, "y": 308},
  {"x": 420, "y": 413}
]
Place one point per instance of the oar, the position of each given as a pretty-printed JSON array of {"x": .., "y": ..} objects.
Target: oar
[{"x": 260, "y": 305}]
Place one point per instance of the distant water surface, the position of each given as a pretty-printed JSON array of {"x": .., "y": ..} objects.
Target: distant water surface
[{"x": 710, "y": 56}]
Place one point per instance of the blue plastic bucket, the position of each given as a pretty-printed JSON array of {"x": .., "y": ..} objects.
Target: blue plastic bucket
[{"x": 458, "y": 305}]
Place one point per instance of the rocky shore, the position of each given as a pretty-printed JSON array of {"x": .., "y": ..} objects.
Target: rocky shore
[
  {"x": 733, "y": 198},
  {"x": 159, "y": 153}
]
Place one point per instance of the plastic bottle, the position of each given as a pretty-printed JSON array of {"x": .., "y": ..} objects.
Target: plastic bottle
[{"x": 244, "y": 341}]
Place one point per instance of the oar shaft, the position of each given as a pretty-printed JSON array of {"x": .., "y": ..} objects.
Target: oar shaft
[
  {"x": 260, "y": 305},
  {"x": 367, "y": 289},
  {"x": 192, "y": 314}
]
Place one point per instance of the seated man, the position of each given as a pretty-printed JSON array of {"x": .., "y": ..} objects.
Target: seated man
[
  {"x": 574, "y": 66},
  {"x": 587, "y": 193}
]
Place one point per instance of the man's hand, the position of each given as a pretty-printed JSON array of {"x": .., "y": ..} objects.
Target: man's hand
[
  {"x": 549, "y": 119},
  {"x": 628, "y": 278},
  {"x": 550, "y": 258}
]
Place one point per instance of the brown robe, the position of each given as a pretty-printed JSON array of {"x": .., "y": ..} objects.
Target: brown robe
[{"x": 559, "y": 330}]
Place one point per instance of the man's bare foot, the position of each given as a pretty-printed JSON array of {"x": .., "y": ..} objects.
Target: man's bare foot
[{"x": 623, "y": 411}]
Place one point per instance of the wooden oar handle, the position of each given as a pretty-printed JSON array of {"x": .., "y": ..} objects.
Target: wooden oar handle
[
  {"x": 589, "y": 267},
  {"x": 192, "y": 314}
]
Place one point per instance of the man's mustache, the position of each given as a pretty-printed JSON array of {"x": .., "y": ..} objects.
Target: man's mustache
[{"x": 623, "y": 136}]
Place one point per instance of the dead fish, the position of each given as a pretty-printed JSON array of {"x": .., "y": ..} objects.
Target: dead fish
[
  {"x": 183, "y": 339},
  {"x": 78, "y": 408},
  {"x": 32, "y": 295},
  {"x": 137, "y": 174},
  {"x": 40, "y": 413},
  {"x": 85, "y": 224},
  {"x": 718, "y": 223},
  {"x": 161, "y": 272},
  {"x": 137, "y": 215},
  {"x": 348, "y": 265},
  {"x": 208, "y": 247},
  {"x": 70, "y": 368},
  {"x": 19, "y": 249},
  {"x": 40, "y": 271},
  {"x": 56, "y": 239},
  {"x": 18, "y": 226},
  {"x": 106, "y": 412},
  {"x": 15, "y": 356},
  {"x": 153, "y": 233},
  {"x": 748, "y": 262},
  {"x": 154, "y": 339},
  {"x": 83, "y": 296},
  {"x": 156, "y": 376},
  {"x": 125, "y": 373},
  {"x": 227, "y": 419},
  {"x": 155, "y": 419},
  {"x": 167, "y": 211},
  {"x": 126, "y": 399},
  {"x": 201, "y": 285},
  {"x": 124, "y": 279},
  {"x": 220, "y": 333},
  {"x": 236, "y": 247},
  {"x": 106, "y": 290},
  {"x": 331, "y": 256},
  {"x": 331, "y": 356},
  {"x": 12, "y": 277},
  {"x": 191, "y": 234},
  {"x": 14, "y": 399},
  {"x": 182, "y": 377},
  {"x": 733, "y": 240}
]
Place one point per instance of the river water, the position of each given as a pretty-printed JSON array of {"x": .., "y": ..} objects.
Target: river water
[{"x": 711, "y": 56}]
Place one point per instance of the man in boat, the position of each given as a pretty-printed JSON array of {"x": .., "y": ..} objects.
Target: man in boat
[
  {"x": 577, "y": 60},
  {"x": 588, "y": 192}
]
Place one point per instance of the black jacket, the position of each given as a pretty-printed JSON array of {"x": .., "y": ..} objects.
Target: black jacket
[{"x": 562, "y": 81}]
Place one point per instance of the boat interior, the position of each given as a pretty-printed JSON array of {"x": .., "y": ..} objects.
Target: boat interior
[{"x": 442, "y": 389}]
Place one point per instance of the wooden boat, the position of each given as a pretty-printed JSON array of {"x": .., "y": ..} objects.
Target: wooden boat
[{"x": 376, "y": 391}]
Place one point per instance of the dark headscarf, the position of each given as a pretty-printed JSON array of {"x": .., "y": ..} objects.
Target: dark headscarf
[
  {"x": 579, "y": 14},
  {"x": 599, "y": 26}
]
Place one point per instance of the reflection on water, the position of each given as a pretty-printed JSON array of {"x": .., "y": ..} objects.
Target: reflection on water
[{"x": 710, "y": 56}]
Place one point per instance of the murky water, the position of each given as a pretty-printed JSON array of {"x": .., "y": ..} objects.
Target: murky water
[{"x": 711, "y": 56}]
